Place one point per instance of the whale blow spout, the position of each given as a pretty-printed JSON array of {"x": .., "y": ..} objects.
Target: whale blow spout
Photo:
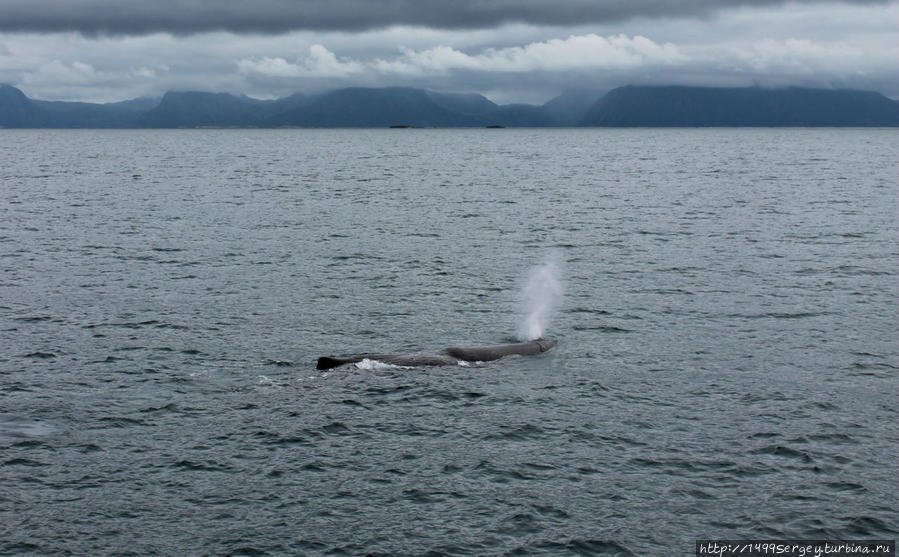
[{"x": 452, "y": 355}]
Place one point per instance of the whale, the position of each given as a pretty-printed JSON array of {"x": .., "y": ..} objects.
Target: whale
[{"x": 449, "y": 356}]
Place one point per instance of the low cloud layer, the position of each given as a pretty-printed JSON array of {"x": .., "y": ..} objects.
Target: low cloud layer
[
  {"x": 278, "y": 16},
  {"x": 577, "y": 52},
  {"x": 837, "y": 45}
]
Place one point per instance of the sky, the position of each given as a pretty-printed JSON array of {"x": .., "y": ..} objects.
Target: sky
[{"x": 509, "y": 50}]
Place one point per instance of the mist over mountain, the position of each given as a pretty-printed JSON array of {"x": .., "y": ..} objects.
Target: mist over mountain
[
  {"x": 403, "y": 106},
  {"x": 572, "y": 105}
]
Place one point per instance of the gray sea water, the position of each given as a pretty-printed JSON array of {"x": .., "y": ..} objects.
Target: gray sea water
[{"x": 726, "y": 367}]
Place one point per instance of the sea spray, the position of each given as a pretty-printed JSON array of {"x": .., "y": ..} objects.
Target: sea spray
[{"x": 540, "y": 297}]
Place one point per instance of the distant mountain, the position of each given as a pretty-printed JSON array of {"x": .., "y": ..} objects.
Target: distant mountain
[
  {"x": 565, "y": 110},
  {"x": 404, "y": 106},
  {"x": 464, "y": 103},
  {"x": 138, "y": 104},
  {"x": 16, "y": 110},
  {"x": 194, "y": 109},
  {"x": 360, "y": 107},
  {"x": 59, "y": 114},
  {"x": 569, "y": 108},
  {"x": 749, "y": 106}
]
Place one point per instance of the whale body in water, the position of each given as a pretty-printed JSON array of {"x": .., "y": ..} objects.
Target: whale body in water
[{"x": 452, "y": 355}]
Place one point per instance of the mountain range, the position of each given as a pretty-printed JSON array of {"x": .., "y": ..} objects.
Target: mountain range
[{"x": 630, "y": 106}]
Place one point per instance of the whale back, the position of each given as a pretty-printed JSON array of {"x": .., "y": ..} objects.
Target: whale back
[
  {"x": 488, "y": 353},
  {"x": 447, "y": 357},
  {"x": 328, "y": 362}
]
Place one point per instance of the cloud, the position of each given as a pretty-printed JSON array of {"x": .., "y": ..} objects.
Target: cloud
[
  {"x": 278, "y": 16},
  {"x": 544, "y": 63},
  {"x": 792, "y": 61},
  {"x": 820, "y": 45},
  {"x": 577, "y": 52},
  {"x": 79, "y": 74},
  {"x": 803, "y": 56},
  {"x": 65, "y": 73},
  {"x": 321, "y": 62}
]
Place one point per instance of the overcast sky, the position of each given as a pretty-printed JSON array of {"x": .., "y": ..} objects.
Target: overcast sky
[{"x": 510, "y": 50}]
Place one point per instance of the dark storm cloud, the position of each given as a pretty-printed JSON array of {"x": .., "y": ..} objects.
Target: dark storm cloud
[{"x": 275, "y": 16}]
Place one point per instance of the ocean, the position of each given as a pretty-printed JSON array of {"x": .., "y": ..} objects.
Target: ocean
[{"x": 724, "y": 301}]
